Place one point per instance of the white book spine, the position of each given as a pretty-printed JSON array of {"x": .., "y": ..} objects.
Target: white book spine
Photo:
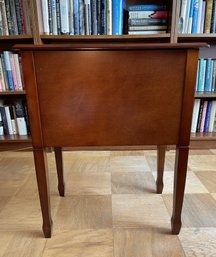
[
  {"x": 2, "y": 78},
  {"x": 199, "y": 16},
  {"x": 21, "y": 124},
  {"x": 184, "y": 4},
  {"x": 18, "y": 71},
  {"x": 45, "y": 14},
  {"x": 195, "y": 115},
  {"x": 212, "y": 116},
  {"x": 109, "y": 17},
  {"x": 64, "y": 16},
  {"x": 87, "y": 17},
  {"x": 71, "y": 17}
]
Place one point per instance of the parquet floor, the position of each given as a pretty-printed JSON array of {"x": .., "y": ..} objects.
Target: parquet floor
[{"x": 110, "y": 209}]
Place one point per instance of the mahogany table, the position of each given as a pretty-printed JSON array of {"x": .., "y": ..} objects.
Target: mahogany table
[{"x": 110, "y": 96}]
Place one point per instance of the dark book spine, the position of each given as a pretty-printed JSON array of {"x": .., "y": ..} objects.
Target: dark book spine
[
  {"x": 213, "y": 20},
  {"x": 200, "y": 116},
  {"x": 22, "y": 16},
  {"x": 94, "y": 17},
  {"x": 103, "y": 17},
  {"x": 58, "y": 17},
  {"x": 13, "y": 17},
  {"x": 26, "y": 117},
  {"x": 5, "y": 73},
  {"x": 50, "y": 16},
  {"x": 27, "y": 16},
  {"x": 9, "y": 18},
  {"x": 99, "y": 17},
  {"x": 19, "y": 17},
  {"x": 4, "y": 120},
  {"x": 76, "y": 17}
]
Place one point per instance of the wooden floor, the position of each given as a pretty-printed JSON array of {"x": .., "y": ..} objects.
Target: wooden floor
[{"x": 110, "y": 208}]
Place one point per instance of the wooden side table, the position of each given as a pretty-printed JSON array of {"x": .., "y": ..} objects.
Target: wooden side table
[{"x": 110, "y": 96}]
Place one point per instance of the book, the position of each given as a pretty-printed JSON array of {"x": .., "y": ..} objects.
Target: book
[
  {"x": 202, "y": 72},
  {"x": 45, "y": 14},
  {"x": 208, "y": 16},
  {"x": 203, "y": 116},
  {"x": 8, "y": 69},
  {"x": 195, "y": 115},
  {"x": 20, "y": 118},
  {"x": 145, "y": 32},
  {"x": 147, "y": 7},
  {"x": 207, "y": 118},
  {"x": 148, "y": 14},
  {"x": 212, "y": 116},
  {"x": 1, "y": 126},
  {"x": 4, "y": 120},
  {"x": 151, "y": 27},
  {"x": 64, "y": 17},
  {"x": 8, "y": 117},
  {"x": 118, "y": 15},
  {"x": 146, "y": 21},
  {"x": 208, "y": 75}
]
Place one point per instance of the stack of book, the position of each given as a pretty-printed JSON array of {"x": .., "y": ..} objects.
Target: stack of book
[
  {"x": 197, "y": 16},
  {"x": 10, "y": 72},
  {"x": 147, "y": 19},
  {"x": 14, "y": 17}
]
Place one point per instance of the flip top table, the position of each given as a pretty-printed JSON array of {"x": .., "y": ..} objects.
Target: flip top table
[{"x": 110, "y": 96}]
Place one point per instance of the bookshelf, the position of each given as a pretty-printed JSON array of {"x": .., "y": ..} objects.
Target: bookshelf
[{"x": 37, "y": 37}]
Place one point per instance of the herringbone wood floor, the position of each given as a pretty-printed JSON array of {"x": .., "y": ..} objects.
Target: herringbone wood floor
[{"x": 110, "y": 208}]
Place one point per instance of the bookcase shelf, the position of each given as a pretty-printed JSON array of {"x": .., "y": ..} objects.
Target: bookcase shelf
[
  {"x": 14, "y": 139},
  {"x": 3, "y": 93},
  {"x": 107, "y": 38},
  {"x": 37, "y": 37}
]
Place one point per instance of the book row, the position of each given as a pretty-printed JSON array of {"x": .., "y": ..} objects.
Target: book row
[
  {"x": 10, "y": 72},
  {"x": 204, "y": 116},
  {"x": 206, "y": 75},
  {"x": 82, "y": 17},
  {"x": 147, "y": 19},
  {"x": 14, "y": 17},
  {"x": 197, "y": 16},
  {"x": 14, "y": 119}
]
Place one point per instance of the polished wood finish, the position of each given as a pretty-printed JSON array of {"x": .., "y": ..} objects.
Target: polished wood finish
[
  {"x": 110, "y": 96},
  {"x": 59, "y": 167},
  {"x": 161, "y": 151}
]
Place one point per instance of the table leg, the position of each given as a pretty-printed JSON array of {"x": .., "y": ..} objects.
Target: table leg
[
  {"x": 161, "y": 151},
  {"x": 59, "y": 167},
  {"x": 179, "y": 186},
  {"x": 43, "y": 188}
]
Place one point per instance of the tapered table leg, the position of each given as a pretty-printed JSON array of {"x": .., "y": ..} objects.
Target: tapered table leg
[
  {"x": 60, "y": 173},
  {"x": 43, "y": 188},
  {"x": 179, "y": 187},
  {"x": 161, "y": 151}
]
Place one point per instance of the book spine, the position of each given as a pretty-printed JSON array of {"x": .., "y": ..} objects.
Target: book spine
[
  {"x": 76, "y": 16},
  {"x": 4, "y": 73},
  {"x": 81, "y": 18},
  {"x": 146, "y": 32},
  {"x": 24, "y": 28},
  {"x": 195, "y": 16},
  {"x": 156, "y": 27},
  {"x": 49, "y": 5},
  {"x": 1, "y": 125},
  {"x": 117, "y": 17},
  {"x": 13, "y": 17},
  {"x": 4, "y": 120},
  {"x": 13, "y": 71},
  {"x": 213, "y": 20},
  {"x": 20, "y": 118},
  {"x": 208, "y": 16},
  {"x": 18, "y": 71},
  {"x": 27, "y": 16},
  {"x": 4, "y": 18},
  {"x": 9, "y": 18},
  {"x": 213, "y": 85},
  {"x": 8, "y": 70},
  {"x": 200, "y": 116},
  {"x": 94, "y": 17},
  {"x": 207, "y": 119},
  {"x": 103, "y": 18},
  {"x": 190, "y": 19},
  {"x": 208, "y": 75},
  {"x": 2, "y": 79},
  {"x": 146, "y": 21},
  {"x": 54, "y": 17},
  {"x": 202, "y": 72},
  {"x": 203, "y": 116},
  {"x": 19, "y": 17},
  {"x": 71, "y": 18},
  {"x": 148, "y": 14},
  {"x": 109, "y": 17},
  {"x": 7, "y": 112},
  {"x": 212, "y": 116},
  {"x": 147, "y": 7},
  {"x": 45, "y": 14},
  {"x": 64, "y": 17},
  {"x": 195, "y": 115},
  {"x": 58, "y": 18},
  {"x": 203, "y": 16}
]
